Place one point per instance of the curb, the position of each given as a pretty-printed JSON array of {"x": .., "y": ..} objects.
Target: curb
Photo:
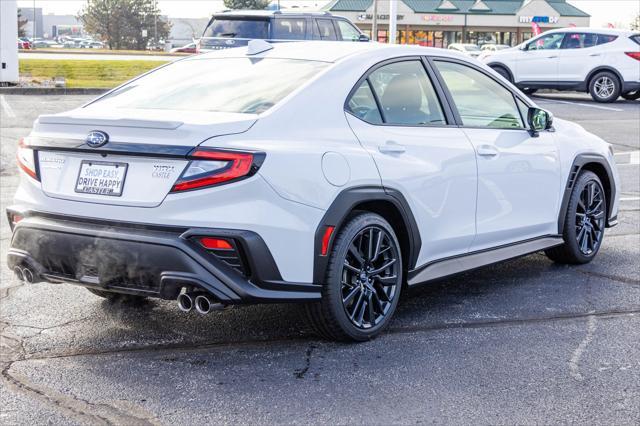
[
  {"x": 50, "y": 91},
  {"x": 111, "y": 53}
]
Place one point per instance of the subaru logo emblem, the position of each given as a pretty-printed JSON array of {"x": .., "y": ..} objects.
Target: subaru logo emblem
[
  {"x": 96, "y": 139},
  {"x": 230, "y": 42}
]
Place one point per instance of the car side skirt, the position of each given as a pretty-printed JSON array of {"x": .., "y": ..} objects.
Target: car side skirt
[{"x": 453, "y": 265}]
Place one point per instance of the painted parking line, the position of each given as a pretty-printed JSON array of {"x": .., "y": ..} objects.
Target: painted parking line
[
  {"x": 579, "y": 103},
  {"x": 6, "y": 107},
  {"x": 627, "y": 158}
]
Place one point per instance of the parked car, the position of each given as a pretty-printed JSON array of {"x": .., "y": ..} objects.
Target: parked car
[
  {"x": 468, "y": 49},
  {"x": 188, "y": 48},
  {"x": 494, "y": 47},
  {"x": 326, "y": 173},
  {"x": 236, "y": 28},
  {"x": 602, "y": 62},
  {"x": 24, "y": 44}
]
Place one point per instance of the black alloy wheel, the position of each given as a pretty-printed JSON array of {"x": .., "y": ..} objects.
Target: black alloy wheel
[
  {"x": 584, "y": 223},
  {"x": 370, "y": 277},
  {"x": 363, "y": 281},
  {"x": 590, "y": 215}
]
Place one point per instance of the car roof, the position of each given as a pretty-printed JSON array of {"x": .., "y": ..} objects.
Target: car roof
[
  {"x": 270, "y": 13},
  {"x": 609, "y": 31},
  {"x": 330, "y": 51}
]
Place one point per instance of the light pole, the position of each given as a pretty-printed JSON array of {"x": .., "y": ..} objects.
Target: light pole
[
  {"x": 374, "y": 24},
  {"x": 34, "y": 21},
  {"x": 393, "y": 15}
]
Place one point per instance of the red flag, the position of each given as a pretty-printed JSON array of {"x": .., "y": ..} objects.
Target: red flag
[
  {"x": 610, "y": 25},
  {"x": 536, "y": 29}
]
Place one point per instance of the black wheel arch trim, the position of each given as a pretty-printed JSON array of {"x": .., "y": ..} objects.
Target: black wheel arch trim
[
  {"x": 596, "y": 70},
  {"x": 577, "y": 166},
  {"x": 346, "y": 202},
  {"x": 501, "y": 65}
]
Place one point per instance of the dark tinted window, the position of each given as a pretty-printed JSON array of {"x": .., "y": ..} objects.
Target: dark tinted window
[
  {"x": 363, "y": 105},
  {"x": 585, "y": 40},
  {"x": 605, "y": 38},
  {"x": 289, "y": 28},
  {"x": 327, "y": 31},
  {"x": 406, "y": 94},
  {"x": 635, "y": 38},
  {"x": 238, "y": 28}
]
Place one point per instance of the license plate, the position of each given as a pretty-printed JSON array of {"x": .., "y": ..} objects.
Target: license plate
[{"x": 101, "y": 178}]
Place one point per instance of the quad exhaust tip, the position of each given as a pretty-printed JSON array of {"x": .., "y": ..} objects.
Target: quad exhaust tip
[
  {"x": 202, "y": 303},
  {"x": 185, "y": 302},
  {"x": 24, "y": 274}
]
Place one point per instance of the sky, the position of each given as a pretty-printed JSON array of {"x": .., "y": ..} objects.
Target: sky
[{"x": 618, "y": 12}]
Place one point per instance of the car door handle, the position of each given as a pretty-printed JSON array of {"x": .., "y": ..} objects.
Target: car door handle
[
  {"x": 487, "y": 150},
  {"x": 552, "y": 57},
  {"x": 594, "y": 54},
  {"x": 391, "y": 147}
]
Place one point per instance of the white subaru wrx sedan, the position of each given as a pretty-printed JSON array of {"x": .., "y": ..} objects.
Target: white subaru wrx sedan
[{"x": 333, "y": 174}]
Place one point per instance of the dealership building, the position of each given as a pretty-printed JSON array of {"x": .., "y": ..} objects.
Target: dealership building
[{"x": 439, "y": 23}]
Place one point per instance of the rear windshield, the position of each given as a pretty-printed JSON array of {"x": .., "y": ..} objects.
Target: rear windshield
[
  {"x": 240, "y": 85},
  {"x": 238, "y": 28}
]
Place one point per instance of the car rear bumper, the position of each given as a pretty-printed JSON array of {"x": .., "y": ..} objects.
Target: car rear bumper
[{"x": 149, "y": 260}]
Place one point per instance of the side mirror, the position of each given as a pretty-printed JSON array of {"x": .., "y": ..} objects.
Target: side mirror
[
  {"x": 363, "y": 37},
  {"x": 538, "y": 120}
]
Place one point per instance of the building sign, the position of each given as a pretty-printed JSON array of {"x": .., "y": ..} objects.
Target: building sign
[
  {"x": 539, "y": 19},
  {"x": 437, "y": 18},
  {"x": 369, "y": 17},
  {"x": 67, "y": 30}
]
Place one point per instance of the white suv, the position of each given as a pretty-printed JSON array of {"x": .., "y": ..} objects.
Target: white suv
[
  {"x": 603, "y": 62},
  {"x": 335, "y": 174}
]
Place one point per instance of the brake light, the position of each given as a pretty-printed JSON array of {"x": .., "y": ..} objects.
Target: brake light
[
  {"x": 211, "y": 243},
  {"x": 26, "y": 159},
  {"x": 214, "y": 167},
  {"x": 634, "y": 55}
]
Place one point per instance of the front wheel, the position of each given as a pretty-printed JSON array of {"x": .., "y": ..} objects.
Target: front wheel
[
  {"x": 604, "y": 87},
  {"x": 363, "y": 281},
  {"x": 584, "y": 222}
]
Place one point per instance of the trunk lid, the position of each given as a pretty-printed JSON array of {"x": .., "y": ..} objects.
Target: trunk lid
[{"x": 138, "y": 165}]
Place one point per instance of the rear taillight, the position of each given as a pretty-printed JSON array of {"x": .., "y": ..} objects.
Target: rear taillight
[
  {"x": 634, "y": 55},
  {"x": 214, "y": 167},
  {"x": 26, "y": 160}
]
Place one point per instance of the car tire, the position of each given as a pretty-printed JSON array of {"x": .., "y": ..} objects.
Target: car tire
[
  {"x": 604, "y": 87},
  {"x": 363, "y": 281},
  {"x": 503, "y": 72},
  {"x": 584, "y": 223},
  {"x": 631, "y": 96},
  {"x": 529, "y": 91},
  {"x": 116, "y": 297}
]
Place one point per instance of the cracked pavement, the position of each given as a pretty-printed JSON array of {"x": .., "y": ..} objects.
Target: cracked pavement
[{"x": 526, "y": 341}]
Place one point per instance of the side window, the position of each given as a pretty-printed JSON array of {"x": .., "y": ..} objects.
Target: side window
[
  {"x": 348, "y": 32},
  {"x": 546, "y": 42},
  {"x": 406, "y": 94},
  {"x": 363, "y": 105},
  {"x": 289, "y": 28},
  {"x": 605, "y": 38},
  {"x": 480, "y": 100},
  {"x": 578, "y": 41},
  {"x": 327, "y": 31}
]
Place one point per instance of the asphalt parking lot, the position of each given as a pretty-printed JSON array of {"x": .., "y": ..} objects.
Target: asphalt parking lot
[{"x": 523, "y": 342}]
